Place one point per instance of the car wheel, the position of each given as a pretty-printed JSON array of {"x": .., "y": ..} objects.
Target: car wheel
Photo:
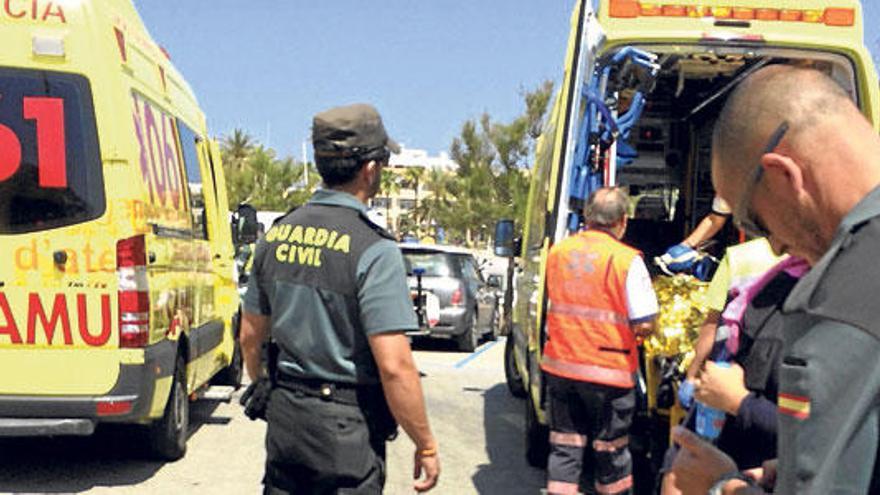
[
  {"x": 168, "y": 434},
  {"x": 511, "y": 373},
  {"x": 537, "y": 438},
  {"x": 469, "y": 339}
]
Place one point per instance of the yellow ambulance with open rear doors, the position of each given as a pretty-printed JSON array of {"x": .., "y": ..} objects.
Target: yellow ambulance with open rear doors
[
  {"x": 644, "y": 82},
  {"x": 117, "y": 299}
]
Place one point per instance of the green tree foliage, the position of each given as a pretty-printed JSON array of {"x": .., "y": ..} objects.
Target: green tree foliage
[
  {"x": 255, "y": 175},
  {"x": 492, "y": 181}
]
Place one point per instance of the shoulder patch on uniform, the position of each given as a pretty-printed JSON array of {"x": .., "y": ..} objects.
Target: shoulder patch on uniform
[{"x": 796, "y": 406}]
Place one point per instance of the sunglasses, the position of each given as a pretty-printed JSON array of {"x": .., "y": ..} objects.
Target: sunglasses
[{"x": 743, "y": 217}]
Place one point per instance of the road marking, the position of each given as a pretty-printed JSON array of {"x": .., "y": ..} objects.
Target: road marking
[{"x": 475, "y": 355}]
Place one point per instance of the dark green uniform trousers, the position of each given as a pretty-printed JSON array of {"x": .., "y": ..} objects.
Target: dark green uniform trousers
[{"x": 317, "y": 446}]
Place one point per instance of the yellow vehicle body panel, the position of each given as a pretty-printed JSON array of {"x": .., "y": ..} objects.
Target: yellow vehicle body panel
[
  {"x": 603, "y": 34},
  {"x": 60, "y": 321}
]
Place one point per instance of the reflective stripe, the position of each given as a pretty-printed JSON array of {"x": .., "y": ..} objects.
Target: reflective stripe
[
  {"x": 612, "y": 445},
  {"x": 562, "y": 488},
  {"x": 588, "y": 372},
  {"x": 568, "y": 439},
  {"x": 616, "y": 487},
  {"x": 589, "y": 313}
]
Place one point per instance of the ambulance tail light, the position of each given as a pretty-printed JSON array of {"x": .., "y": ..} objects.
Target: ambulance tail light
[
  {"x": 113, "y": 407},
  {"x": 457, "y": 298},
  {"x": 831, "y": 16},
  {"x": 134, "y": 294}
]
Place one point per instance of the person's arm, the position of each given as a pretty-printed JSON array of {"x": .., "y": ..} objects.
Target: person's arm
[
  {"x": 255, "y": 317},
  {"x": 254, "y": 331},
  {"x": 641, "y": 301},
  {"x": 721, "y": 387},
  {"x": 758, "y": 413},
  {"x": 710, "y": 224},
  {"x": 386, "y": 313},
  {"x": 828, "y": 412},
  {"x": 705, "y": 230},
  {"x": 704, "y": 343},
  {"x": 699, "y": 465},
  {"x": 403, "y": 391}
]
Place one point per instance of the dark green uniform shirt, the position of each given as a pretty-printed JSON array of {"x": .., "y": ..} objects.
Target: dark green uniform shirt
[
  {"x": 321, "y": 330},
  {"x": 830, "y": 376}
]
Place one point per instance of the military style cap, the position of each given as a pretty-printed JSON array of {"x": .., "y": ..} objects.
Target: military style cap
[{"x": 350, "y": 131}]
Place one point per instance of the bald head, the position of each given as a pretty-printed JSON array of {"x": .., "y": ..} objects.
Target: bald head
[
  {"x": 803, "y": 97},
  {"x": 606, "y": 208}
]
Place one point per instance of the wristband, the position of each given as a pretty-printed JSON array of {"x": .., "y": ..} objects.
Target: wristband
[
  {"x": 428, "y": 452},
  {"x": 718, "y": 487}
]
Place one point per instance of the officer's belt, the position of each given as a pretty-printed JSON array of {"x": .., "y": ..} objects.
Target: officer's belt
[{"x": 343, "y": 393}]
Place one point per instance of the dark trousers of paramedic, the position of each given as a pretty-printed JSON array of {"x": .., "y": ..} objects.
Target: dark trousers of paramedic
[
  {"x": 587, "y": 418},
  {"x": 318, "y": 446}
]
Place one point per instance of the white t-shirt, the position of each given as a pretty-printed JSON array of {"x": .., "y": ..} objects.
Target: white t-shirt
[
  {"x": 720, "y": 207},
  {"x": 641, "y": 301}
]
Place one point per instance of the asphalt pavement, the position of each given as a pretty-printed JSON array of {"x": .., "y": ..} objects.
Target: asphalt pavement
[{"x": 476, "y": 421}]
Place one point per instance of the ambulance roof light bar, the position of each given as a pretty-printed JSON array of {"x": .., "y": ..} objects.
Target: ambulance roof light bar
[{"x": 831, "y": 16}]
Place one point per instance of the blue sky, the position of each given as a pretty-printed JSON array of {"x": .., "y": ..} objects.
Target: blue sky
[{"x": 267, "y": 66}]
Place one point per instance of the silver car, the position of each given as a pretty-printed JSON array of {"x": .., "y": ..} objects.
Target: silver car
[{"x": 468, "y": 304}]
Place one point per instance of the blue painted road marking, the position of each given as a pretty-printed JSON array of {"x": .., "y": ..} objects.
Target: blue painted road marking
[{"x": 475, "y": 355}]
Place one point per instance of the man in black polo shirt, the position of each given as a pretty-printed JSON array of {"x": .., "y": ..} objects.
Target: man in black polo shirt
[{"x": 331, "y": 288}]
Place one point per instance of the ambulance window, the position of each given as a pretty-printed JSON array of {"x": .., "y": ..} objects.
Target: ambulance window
[
  {"x": 50, "y": 163},
  {"x": 189, "y": 141}
]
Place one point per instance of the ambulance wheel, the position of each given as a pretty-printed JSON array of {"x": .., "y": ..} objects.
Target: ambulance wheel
[
  {"x": 232, "y": 374},
  {"x": 537, "y": 438},
  {"x": 469, "y": 339},
  {"x": 169, "y": 433},
  {"x": 511, "y": 374}
]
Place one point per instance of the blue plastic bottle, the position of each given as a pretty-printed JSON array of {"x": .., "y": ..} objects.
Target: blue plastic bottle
[{"x": 710, "y": 421}]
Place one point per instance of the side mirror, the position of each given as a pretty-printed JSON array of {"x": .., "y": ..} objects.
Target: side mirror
[
  {"x": 494, "y": 281},
  {"x": 504, "y": 243},
  {"x": 245, "y": 224}
]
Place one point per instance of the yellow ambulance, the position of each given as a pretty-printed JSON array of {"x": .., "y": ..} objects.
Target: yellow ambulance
[
  {"x": 644, "y": 82},
  {"x": 117, "y": 298}
]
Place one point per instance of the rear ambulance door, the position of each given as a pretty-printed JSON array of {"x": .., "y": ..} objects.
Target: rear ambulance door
[
  {"x": 548, "y": 211},
  {"x": 58, "y": 275}
]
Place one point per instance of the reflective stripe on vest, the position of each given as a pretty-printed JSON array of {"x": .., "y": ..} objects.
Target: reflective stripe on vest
[
  {"x": 589, "y": 337},
  {"x": 588, "y": 313},
  {"x": 588, "y": 372}
]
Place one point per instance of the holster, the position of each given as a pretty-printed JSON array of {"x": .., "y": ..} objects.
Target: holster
[
  {"x": 255, "y": 398},
  {"x": 381, "y": 422}
]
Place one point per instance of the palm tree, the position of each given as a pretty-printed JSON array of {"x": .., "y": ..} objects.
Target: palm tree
[
  {"x": 237, "y": 147},
  {"x": 413, "y": 177},
  {"x": 389, "y": 185}
]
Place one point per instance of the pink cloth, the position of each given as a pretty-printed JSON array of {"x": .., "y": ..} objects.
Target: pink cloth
[{"x": 733, "y": 313}]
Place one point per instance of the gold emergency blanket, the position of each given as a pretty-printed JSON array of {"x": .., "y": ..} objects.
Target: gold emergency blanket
[{"x": 683, "y": 308}]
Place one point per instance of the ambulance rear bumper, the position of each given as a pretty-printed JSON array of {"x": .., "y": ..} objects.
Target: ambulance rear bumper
[
  {"x": 129, "y": 401},
  {"x": 15, "y": 427}
]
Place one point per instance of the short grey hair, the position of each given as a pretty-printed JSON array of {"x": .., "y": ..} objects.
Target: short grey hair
[{"x": 606, "y": 207}]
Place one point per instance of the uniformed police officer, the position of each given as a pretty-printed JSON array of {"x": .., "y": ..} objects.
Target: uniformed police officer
[
  {"x": 798, "y": 163},
  {"x": 331, "y": 288}
]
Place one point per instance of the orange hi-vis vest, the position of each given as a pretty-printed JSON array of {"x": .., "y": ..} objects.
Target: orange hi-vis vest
[{"x": 588, "y": 327}]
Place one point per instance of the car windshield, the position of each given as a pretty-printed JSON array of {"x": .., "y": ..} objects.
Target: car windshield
[
  {"x": 50, "y": 166},
  {"x": 433, "y": 264}
]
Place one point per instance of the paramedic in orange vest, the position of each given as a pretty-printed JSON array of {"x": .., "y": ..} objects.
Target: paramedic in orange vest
[{"x": 600, "y": 301}]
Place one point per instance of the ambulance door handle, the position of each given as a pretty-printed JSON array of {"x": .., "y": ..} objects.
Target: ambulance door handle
[
  {"x": 60, "y": 257},
  {"x": 151, "y": 257}
]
